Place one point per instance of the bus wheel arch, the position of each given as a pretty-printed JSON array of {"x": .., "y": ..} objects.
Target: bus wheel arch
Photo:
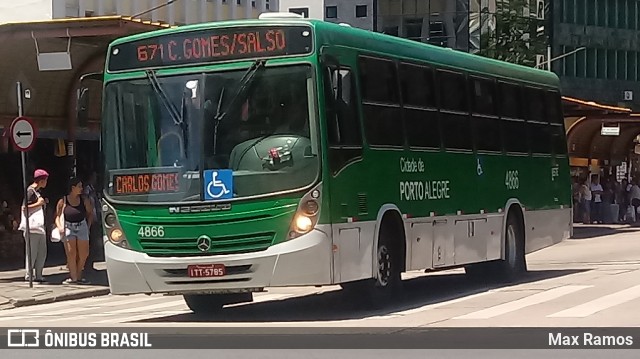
[
  {"x": 512, "y": 263},
  {"x": 389, "y": 257},
  {"x": 390, "y": 223}
]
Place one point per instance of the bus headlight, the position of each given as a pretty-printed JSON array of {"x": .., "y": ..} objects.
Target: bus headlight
[
  {"x": 311, "y": 208},
  {"x": 114, "y": 231},
  {"x": 303, "y": 224},
  {"x": 116, "y": 236},
  {"x": 307, "y": 213},
  {"x": 110, "y": 220}
]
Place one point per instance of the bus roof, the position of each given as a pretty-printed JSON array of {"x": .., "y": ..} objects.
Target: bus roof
[{"x": 382, "y": 44}]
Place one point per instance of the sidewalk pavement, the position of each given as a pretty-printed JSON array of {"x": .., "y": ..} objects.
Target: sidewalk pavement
[
  {"x": 585, "y": 231},
  {"x": 15, "y": 291}
]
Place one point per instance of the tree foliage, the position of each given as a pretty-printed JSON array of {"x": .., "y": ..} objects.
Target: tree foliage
[{"x": 512, "y": 35}]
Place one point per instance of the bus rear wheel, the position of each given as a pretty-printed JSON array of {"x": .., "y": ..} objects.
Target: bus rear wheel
[
  {"x": 514, "y": 264},
  {"x": 213, "y": 303}
]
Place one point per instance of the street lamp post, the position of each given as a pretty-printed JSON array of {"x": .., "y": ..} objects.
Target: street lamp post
[{"x": 548, "y": 62}]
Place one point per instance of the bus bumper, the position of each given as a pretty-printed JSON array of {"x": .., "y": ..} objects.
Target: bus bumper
[{"x": 305, "y": 260}]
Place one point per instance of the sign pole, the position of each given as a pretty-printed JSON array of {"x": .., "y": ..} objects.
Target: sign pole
[{"x": 27, "y": 234}]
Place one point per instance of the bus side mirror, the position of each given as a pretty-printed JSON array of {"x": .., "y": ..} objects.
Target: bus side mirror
[{"x": 83, "y": 106}]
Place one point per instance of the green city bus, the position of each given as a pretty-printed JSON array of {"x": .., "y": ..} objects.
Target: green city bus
[{"x": 283, "y": 151}]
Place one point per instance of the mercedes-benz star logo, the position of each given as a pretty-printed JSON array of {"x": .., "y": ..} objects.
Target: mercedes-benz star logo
[{"x": 204, "y": 243}]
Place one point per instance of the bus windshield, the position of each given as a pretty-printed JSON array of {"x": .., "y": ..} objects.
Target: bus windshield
[{"x": 161, "y": 133}]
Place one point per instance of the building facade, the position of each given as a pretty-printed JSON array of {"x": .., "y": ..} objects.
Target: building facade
[
  {"x": 604, "y": 39},
  {"x": 517, "y": 31},
  {"x": 179, "y": 12},
  {"x": 357, "y": 13}
]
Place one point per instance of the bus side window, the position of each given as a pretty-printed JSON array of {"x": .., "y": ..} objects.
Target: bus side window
[{"x": 343, "y": 126}]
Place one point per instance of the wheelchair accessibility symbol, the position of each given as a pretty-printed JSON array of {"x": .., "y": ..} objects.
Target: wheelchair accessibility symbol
[{"x": 218, "y": 184}]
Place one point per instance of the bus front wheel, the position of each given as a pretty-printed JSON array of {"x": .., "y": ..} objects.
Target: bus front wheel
[
  {"x": 388, "y": 281},
  {"x": 213, "y": 303}
]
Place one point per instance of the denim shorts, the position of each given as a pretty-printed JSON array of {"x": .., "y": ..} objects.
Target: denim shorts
[{"x": 78, "y": 230}]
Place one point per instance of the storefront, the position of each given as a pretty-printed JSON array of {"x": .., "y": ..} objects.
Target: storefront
[
  {"x": 48, "y": 58},
  {"x": 601, "y": 142}
]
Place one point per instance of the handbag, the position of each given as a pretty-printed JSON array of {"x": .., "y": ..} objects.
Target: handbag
[
  {"x": 56, "y": 236},
  {"x": 36, "y": 221}
]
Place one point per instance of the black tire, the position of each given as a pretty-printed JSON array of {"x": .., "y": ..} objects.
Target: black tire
[
  {"x": 509, "y": 269},
  {"x": 478, "y": 272},
  {"x": 208, "y": 304},
  {"x": 514, "y": 265},
  {"x": 378, "y": 292}
]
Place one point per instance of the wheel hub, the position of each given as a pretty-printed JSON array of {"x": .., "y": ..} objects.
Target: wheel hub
[
  {"x": 384, "y": 265},
  {"x": 511, "y": 246}
]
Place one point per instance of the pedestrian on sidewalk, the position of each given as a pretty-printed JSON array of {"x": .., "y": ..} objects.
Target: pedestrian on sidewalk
[
  {"x": 622, "y": 198},
  {"x": 95, "y": 230},
  {"x": 74, "y": 216},
  {"x": 596, "y": 202},
  {"x": 634, "y": 197},
  {"x": 35, "y": 204},
  {"x": 585, "y": 202}
]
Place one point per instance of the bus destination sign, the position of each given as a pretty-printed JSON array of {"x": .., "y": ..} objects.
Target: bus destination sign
[
  {"x": 211, "y": 45},
  {"x": 146, "y": 183}
]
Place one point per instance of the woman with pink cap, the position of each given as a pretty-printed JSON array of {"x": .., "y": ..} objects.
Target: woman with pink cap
[{"x": 37, "y": 234}]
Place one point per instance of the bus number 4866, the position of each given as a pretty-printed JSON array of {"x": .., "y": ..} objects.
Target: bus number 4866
[
  {"x": 512, "y": 181},
  {"x": 151, "y": 231}
]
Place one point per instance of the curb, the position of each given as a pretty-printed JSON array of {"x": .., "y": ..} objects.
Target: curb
[{"x": 25, "y": 302}]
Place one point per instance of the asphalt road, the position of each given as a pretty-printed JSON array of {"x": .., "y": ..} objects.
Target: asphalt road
[{"x": 590, "y": 281}]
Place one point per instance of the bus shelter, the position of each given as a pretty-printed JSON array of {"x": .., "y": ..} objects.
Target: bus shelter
[
  {"x": 601, "y": 142},
  {"x": 598, "y": 135}
]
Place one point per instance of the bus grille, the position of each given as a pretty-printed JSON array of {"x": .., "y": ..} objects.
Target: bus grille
[{"x": 188, "y": 247}]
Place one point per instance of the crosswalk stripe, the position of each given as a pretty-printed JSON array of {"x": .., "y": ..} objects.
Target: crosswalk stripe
[
  {"x": 442, "y": 304},
  {"x": 257, "y": 299},
  {"x": 114, "y": 302},
  {"x": 49, "y": 306},
  {"x": 78, "y": 306},
  {"x": 147, "y": 308},
  {"x": 524, "y": 302},
  {"x": 141, "y": 317},
  {"x": 432, "y": 306},
  {"x": 263, "y": 298},
  {"x": 99, "y": 310},
  {"x": 600, "y": 304}
]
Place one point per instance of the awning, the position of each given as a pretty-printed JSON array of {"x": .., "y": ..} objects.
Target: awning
[
  {"x": 584, "y": 121},
  {"x": 53, "y": 93}
]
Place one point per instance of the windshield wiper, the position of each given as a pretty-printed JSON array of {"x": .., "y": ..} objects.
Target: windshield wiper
[
  {"x": 162, "y": 95},
  {"x": 245, "y": 84}
]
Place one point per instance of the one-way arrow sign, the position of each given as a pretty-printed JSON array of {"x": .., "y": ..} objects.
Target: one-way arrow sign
[{"x": 23, "y": 133}]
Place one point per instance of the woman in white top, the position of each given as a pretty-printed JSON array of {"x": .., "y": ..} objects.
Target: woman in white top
[{"x": 585, "y": 202}]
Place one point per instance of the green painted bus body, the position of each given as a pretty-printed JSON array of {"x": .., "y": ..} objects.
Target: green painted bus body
[{"x": 476, "y": 182}]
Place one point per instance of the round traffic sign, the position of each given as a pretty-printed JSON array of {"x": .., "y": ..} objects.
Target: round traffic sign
[{"x": 23, "y": 133}]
